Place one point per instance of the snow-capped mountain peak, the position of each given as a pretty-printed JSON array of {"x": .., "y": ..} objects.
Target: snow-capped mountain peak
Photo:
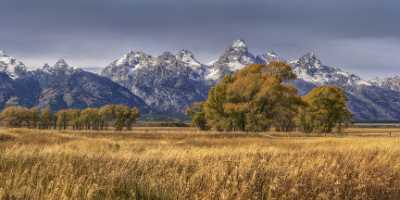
[
  {"x": 61, "y": 63},
  {"x": 272, "y": 54},
  {"x": 234, "y": 58},
  {"x": 60, "y": 67},
  {"x": 268, "y": 57},
  {"x": 133, "y": 58},
  {"x": 11, "y": 66},
  {"x": 310, "y": 60},
  {"x": 310, "y": 68},
  {"x": 188, "y": 58},
  {"x": 239, "y": 44}
]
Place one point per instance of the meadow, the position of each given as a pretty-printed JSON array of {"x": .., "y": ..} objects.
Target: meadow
[{"x": 183, "y": 163}]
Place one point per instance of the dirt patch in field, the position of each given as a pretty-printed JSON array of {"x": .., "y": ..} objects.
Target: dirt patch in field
[{"x": 6, "y": 137}]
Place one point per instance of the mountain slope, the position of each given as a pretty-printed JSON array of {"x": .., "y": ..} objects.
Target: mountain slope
[
  {"x": 22, "y": 92},
  {"x": 8, "y": 90},
  {"x": 65, "y": 87}
]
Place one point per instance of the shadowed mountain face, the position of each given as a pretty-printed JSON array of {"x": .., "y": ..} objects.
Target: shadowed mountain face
[
  {"x": 18, "y": 92},
  {"x": 169, "y": 83},
  {"x": 61, "y": 86},
  {"x": 8, "y": 91}
]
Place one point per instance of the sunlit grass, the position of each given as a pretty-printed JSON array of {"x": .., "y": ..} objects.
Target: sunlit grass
[{"x": 175, "y": 163}]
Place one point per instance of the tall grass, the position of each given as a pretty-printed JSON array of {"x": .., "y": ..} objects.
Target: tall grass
[{"x": 183, "y": 164}]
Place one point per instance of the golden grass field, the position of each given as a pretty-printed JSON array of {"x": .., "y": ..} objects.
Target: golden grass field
[{"x": 181, "y": 163}]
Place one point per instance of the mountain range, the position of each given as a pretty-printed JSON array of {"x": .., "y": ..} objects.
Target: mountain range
[
  {"x": 165, "y": 85},
  {"x": 59, "y": 86}
]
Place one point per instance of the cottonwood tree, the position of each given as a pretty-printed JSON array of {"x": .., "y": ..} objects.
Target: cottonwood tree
[
  {"x": 254, "y": 99},
  {"x": 90, "y": 118},
  {"x": 132, "y": 117},
  {"x": 326, "y": 109},
  {"x": 107, "y": 115},
  {"x": 196, "y": 113},
  {"x": 15, "y": 116},
  {"x": 46, "y": 119},
  {"x": 34, "y": 117},
  {"x": 125, "y": 117},
  {"x": 62, "y": 119},
  {"x": 74, "y": 119}
]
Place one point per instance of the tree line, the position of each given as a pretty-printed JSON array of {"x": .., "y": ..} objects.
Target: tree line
[
  {"x": 117, "y": 116},
  {"x": 260, "y": 97}
]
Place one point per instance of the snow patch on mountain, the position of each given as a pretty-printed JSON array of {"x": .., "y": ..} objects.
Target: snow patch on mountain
[
  {"x": 239, "y": 44},
  {"x": 188, "y": 58},
  {"x": 135, "y": 60},
  {"x": 11, "y": 66}
]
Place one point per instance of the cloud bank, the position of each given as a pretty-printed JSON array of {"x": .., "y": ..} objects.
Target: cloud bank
[{"x": 360, "y": 36}]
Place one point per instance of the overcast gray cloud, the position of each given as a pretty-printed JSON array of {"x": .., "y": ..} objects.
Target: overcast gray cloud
[{"x": 360, "y": 36}]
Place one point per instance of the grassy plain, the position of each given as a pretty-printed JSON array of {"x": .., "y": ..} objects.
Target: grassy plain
[{"x": 182, "y": 163}]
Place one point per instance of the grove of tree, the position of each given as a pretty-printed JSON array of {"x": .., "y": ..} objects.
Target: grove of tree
[
  {"x": 260, "y": 97},
  {"x": 116, "y": 116}
]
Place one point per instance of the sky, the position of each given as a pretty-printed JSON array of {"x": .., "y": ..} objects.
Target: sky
[{"x": 359, "y": 36}]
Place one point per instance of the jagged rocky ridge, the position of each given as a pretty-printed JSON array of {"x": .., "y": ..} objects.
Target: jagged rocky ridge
[{"x": 169, "y": 83}]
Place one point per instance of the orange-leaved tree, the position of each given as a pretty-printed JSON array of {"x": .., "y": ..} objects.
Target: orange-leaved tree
[
  {"x": 254, "y": 99},
  {"x": 326, "y": 109}
]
